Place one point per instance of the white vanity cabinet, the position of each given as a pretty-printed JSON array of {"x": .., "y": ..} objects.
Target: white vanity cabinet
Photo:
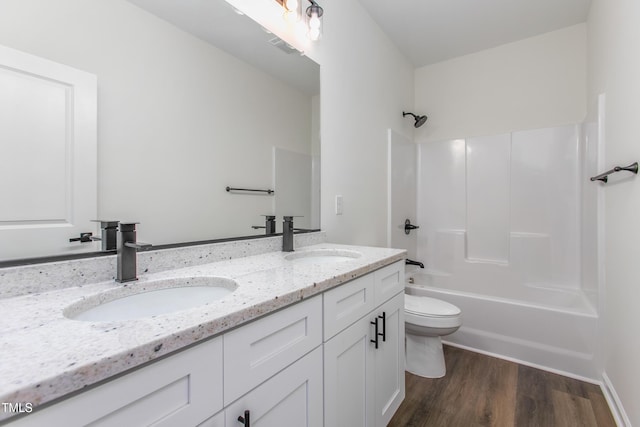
[
  {"x": 181, "y": 390},
  {"x": 265, "y": 372},
  {"x": 364, "y": 385},
  {"x": 276, "y": 368}
]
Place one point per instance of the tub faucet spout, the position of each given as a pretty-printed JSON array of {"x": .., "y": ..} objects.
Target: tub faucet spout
[{"x": 412, "y": 262}]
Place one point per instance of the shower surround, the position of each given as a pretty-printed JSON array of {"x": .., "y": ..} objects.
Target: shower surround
[
  {"x": 504, "y": 209},
  {"x": 507, "y": 226}
]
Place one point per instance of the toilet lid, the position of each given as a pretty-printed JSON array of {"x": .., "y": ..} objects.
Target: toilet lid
[{"x": 425, "y": 306}]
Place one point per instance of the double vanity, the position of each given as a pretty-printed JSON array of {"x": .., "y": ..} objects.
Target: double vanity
[{"x": 222, "y": 335}]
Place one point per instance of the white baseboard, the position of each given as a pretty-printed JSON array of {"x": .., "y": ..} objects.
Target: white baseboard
[
  {"x": 525, "y": 363},
  {"x": 617, "y": 410},
  {"x": 529, "y": 351}
]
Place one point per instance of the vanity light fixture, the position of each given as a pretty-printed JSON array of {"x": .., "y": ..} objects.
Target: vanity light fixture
[{"x": 313, "y": 18}]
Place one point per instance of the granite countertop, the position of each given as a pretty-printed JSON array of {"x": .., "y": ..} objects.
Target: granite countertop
[{"x": 46, "y": 355}]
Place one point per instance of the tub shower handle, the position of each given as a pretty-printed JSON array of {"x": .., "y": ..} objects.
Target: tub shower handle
[
  {"x": 376, "y": 333},
  {"x": 245, "y": 420},
  {"x": 384, "y": 326},
  {"x": 408, "y": 226}
]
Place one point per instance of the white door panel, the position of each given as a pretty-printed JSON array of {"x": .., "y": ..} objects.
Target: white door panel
[{"x": 48, "y": 138}]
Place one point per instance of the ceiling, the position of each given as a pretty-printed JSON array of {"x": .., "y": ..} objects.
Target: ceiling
[
  {"x": 430, "y": 31},
  {"x": 217, "y": 23},
  {"x": 426, "y": 31}
]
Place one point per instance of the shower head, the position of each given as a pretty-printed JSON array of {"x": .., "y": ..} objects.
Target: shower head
[{"x": 420, "y": 120}]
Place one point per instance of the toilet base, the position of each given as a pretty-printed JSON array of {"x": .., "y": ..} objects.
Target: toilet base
[{"x": 424, "y": 356}]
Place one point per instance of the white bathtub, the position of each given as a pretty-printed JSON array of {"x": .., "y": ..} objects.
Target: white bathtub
[{"x": 544, "y": 327}]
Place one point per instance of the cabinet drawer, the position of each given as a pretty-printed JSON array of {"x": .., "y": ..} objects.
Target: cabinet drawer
[
  {"x": 389, "y": 281},
  {"x": 183, "y": 390},
  {"x": 259, "y": 350},
  {"x": 347, "y": 303}
]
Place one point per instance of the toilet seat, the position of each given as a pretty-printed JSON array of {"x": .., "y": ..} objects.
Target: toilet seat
[
  {"x": 430, "y": 307},
  {"x": 431, "y": 312}
]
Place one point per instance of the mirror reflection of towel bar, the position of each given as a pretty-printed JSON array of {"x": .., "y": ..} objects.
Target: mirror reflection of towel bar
[
  {"x": 604, "y": 177},
  {"x": 249, "y": 189}
]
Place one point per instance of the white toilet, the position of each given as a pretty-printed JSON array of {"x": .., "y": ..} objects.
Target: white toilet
[{"x": 426, "y": 320}]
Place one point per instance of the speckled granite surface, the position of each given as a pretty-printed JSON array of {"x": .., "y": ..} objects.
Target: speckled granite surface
[
  {"x": 46, "y": 355},
  {"x": 29, "y": 279}
]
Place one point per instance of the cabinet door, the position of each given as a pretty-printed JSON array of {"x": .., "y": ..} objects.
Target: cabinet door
[
  {"x": 349, "y": 376},
  {"x": 291, "y": 398},
  {"x": 389, "y": 361}
]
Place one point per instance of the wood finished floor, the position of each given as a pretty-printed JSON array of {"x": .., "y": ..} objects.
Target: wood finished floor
[{"x": 479, "y": 390}]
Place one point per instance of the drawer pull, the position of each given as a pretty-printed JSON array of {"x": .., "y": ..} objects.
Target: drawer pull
[
  {"x": 376, "y": 333},
  {"x": 245, "y": 420},
  {"x": 384, "y": 326}
]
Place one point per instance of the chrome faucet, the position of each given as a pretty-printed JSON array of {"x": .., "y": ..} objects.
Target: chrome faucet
[
  {"x": 287, "y": 234},
  {"x": 127, "y": 253}
]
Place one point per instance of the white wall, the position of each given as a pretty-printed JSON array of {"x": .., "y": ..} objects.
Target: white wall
[
  {"x": 614, "y": 69},
  {"x": 293, "y": 173},
  {"x": 178, "y": 119},
  {"x": 533, "y": 83},
  {"x": 402, "y": 190},
  {"x": 366, "y": 83}
]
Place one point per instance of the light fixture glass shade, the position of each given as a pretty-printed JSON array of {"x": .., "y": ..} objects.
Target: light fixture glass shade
[
  {"x": 314, "y": 34},
  {"x": 314, "y": 21},
  {"x": 291, "y": 5},
  {"x": 291, "y": 14}
]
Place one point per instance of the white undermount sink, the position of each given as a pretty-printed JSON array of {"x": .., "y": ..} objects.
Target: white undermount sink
[
  {"x": 151, "y": 298},
  {"x": 323, "y": 256}
]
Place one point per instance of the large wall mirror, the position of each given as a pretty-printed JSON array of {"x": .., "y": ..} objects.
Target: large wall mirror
[{"x": 192, "y": 98}]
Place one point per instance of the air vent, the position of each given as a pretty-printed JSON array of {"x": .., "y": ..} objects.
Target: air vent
[{"x": 282, "y": 45}]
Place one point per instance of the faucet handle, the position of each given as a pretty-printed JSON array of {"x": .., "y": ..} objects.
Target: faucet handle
[
  {"x": 128, "y": 226},
  {"x": 140, "y": 246},
  {"x": 106, "y": 224}
]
